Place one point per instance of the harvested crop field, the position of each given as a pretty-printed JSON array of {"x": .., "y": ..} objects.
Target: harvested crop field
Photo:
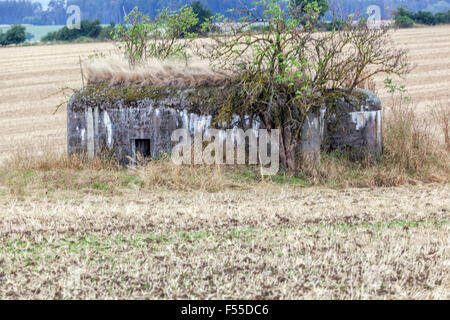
[
  {"x": 70, "y": 231},
  {"x": 270, "y": 242},
  {"x": 32, "y": 76}
]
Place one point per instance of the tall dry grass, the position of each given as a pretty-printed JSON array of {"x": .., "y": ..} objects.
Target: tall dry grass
[
  {"x": 440, "y": 111},
  {"x": 28, "y": 173},
  {"x": 412, "y": 152},
  {"x": 116, "y": 70},
  {"x": 410, "y": 143}
]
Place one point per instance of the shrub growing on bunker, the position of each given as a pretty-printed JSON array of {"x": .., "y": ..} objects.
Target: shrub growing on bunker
[
  {"x": 164, "y": 37},
  {"x": 290, "y": 70}
]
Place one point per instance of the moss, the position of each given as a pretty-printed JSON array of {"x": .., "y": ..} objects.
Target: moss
[
  {"x": 103, "y": 92},
  {"x": 103, "y": 95}
]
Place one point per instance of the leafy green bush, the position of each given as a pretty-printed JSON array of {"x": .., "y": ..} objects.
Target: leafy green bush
[
  {"x": 406, "y": 18},
  {"x": 424, "y": 17},
  {"x": 404, "y": 21},
  {"x": 442, "y": 17},
  {"x": 88, "y": 28},
  {"x": 15, "y": 35},
  {"x": 63, "y": 34},
  {"x": 202, "y": 13},
  {"x": 335, "y": 25},
  {"x": 166, "y": 36}
]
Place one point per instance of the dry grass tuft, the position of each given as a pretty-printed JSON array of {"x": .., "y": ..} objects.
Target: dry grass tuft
[
  {"x": 154, "y": 73},
  {"x": 52, "y": 160},
  {"x": 412, "y": 153},
  {"x": 411, "y": 145},
  {"x": 441, "y": 116},
  {"x": 165, "y": 173},
  {"x": 26, "y": 173}
]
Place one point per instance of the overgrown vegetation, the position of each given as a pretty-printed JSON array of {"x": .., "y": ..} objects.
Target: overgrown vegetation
[
  {"x": 413, "y": 152},
  {"x": 165, "y": 36},
  {"x": 284, "y": 72},
  {"x": 289, "y": 70}
]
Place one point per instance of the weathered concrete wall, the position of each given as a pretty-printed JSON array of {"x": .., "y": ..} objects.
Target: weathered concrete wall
[
  {"x": 98, "y": 129},
  {"x": 354, "y": 121},
  {"x": 131, "y": 124}
]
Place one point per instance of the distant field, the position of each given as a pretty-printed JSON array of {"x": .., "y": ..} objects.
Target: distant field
[
  {"x": 37, "y": 31},
  {"x": 32, "y": 76}
]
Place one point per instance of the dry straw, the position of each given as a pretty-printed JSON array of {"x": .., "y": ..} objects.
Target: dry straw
[{"x": 153, "y": 73}]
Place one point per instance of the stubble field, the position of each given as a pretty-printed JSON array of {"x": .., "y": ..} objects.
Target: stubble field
[{"x": 70, "y": 234}]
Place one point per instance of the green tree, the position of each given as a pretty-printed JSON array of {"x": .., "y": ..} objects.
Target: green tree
[
  {"x": 302, "y": 5},
  {"x": 202, "y": 13},
  {"x": 404, "y": 21},
  {"x": 284, "y": 73},
  {"x": 15, "y": 35},
  {"x": 165, "y": 36}
]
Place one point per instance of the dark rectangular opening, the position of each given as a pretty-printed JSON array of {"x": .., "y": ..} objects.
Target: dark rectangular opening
[{"x": 142, "y": 147}]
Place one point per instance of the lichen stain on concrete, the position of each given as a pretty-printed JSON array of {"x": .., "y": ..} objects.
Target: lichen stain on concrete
[
  {"x": 360, "y": 118},
  {"x": 90, "y": 133},
  {"x": 108, "y": 125}
]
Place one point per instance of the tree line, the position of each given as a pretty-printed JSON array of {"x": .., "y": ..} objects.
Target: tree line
[
  {"x": 29, "y": 12},
  {"x": 22, "y": 11},
  {"x": 406, "y": 18},
  {"x": 15, "y": 35}
]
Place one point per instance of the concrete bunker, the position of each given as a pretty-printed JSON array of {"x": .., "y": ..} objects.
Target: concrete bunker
[{"x": 131, "y": 120}]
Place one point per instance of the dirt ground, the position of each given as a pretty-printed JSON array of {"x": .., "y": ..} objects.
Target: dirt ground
[{"x": 274, "y": 242}]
